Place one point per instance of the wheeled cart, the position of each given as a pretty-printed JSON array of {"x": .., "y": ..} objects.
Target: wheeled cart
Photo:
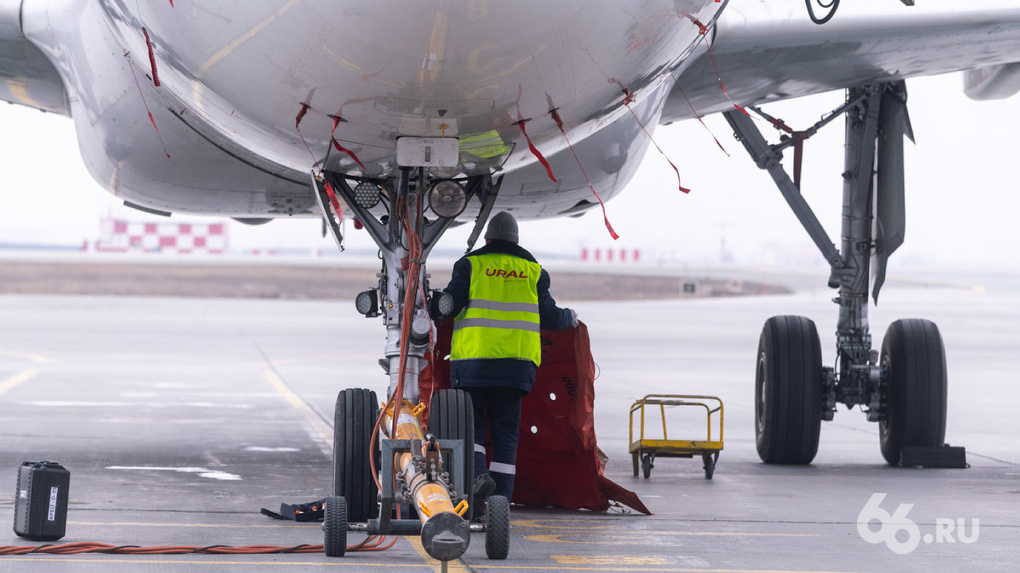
[{"x": 644, "y": 450}]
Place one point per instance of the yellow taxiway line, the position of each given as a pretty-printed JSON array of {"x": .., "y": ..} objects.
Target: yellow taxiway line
[
  {"x": 321, "y": 429},
  {"x": 17, "y": 379}
]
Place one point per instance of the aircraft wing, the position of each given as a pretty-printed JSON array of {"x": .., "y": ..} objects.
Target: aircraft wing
[
  {"x": 26, "y": 76},
  {"x": 768, "y": 50}
]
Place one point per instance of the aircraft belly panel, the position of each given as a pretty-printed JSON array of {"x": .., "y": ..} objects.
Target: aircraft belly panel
[
  {"x": 391, "y": 69},
  {"x": 232, "y": 87}
]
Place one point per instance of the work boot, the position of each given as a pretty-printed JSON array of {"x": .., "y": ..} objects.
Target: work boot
[{"x": 484, "y": 486}]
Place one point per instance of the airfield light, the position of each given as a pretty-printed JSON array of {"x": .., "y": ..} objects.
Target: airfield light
[
  {"x": 444, "y": 303},
  {"x": 367, "y": 303},
  {"x": 447, "y": 199},
  {"x": 367, "y": 195}
]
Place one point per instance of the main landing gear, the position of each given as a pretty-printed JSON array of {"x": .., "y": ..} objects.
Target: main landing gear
[
  {"x": 904, "y": 387},
  {"x": 406, "y": 482}
]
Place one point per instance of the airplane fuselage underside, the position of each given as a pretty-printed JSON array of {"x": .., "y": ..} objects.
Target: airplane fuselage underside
[{"x": 354, "y": 77}]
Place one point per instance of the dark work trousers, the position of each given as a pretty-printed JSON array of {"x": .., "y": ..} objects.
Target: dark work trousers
[{"x": 498, "y": 410}]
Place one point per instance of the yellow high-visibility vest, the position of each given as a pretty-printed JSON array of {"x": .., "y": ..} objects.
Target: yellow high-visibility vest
[{"x": 501, "y": 318}]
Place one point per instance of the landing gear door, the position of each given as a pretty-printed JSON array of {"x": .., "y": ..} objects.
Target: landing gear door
[{"x": 890, "y": 205}]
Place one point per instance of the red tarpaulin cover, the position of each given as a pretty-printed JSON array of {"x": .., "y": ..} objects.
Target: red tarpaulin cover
[{"x": 557, "y": 459}]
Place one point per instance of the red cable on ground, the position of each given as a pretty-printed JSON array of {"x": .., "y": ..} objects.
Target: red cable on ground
[
  {"x": 145, "y": 103},
  {"x": 372, "y": 543},
  {"x": 559, "y": 123},
  {"x": 152, "y": 58},
  {"x": 90, "y": 547}
]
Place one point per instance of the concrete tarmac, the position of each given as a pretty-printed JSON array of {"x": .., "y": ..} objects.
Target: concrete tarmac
[{"x": 180, "y": 418}]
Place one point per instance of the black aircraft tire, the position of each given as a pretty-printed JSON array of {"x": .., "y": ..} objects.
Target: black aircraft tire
[
  {"x": 355, "y": 416},
  {"x": 915, "y": 387},
  {"x": 334, "y": 527},
  {"x": 452, "y": 417},
  {"x": 497, "y": 527},
  {"x": 788, "y": 391}
]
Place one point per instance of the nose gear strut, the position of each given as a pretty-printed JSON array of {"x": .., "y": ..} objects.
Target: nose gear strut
[{"x": 411, "y": 462}]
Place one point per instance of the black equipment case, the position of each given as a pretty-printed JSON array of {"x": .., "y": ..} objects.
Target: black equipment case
[{"x": 40, "y": 508}]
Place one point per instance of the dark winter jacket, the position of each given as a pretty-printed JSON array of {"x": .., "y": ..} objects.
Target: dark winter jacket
[{"x": 503, "y": 372}]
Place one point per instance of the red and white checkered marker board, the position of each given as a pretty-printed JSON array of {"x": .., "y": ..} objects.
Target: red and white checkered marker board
[
  {"x": 123, "y": 236},
  {"x": 610, "y": 255}
]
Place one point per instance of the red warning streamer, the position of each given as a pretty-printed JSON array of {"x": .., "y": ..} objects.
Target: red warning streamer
[
  {"x": 145, "y": 103},
  {"x": 342, "y": 149},
  {"x": 536, "y": 152},
  {"x": 336, "y": 202},
  {"x": 531, "y": 146},
  {"x": 152, "y": 58},
  {"x": 697, "y": 115},
  {"x": 627, "y": 100},
  {"x": 703, "y": 32},
  {"x": 559, "y": 123},
  {"x": 297, "y": 125}
]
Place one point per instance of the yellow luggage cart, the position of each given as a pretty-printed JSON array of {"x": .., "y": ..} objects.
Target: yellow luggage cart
[{"x": 644, "y": 451}]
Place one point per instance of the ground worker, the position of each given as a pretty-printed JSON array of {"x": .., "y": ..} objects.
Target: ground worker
[{"x": 501, "y": 302}]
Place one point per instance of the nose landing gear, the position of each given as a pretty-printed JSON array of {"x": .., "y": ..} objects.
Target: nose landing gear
[{"x": 428, "y": 473}]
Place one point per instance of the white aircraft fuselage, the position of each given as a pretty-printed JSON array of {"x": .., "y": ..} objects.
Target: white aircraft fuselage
[{"x": 233, "y": 84}]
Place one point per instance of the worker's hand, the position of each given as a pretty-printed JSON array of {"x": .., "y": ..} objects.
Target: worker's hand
[{"x": 573, "y": 317}]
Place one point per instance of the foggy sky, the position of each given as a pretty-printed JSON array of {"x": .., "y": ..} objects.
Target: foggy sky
[{"x": 961, "y": 191}]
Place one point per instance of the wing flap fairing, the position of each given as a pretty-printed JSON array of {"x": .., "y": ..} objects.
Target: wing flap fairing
[{"x": 26, "y": 76}]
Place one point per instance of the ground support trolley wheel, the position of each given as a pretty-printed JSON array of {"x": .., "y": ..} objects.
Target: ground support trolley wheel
[
  {"x": 334, "y": 527},
  {"x": 647, "y": 463},
  {"x": 354, "y": 417},
  {"x": 645, "y": 449},
  {"x": 497, "y": 527},
  {"x": 710, "y": 460}
]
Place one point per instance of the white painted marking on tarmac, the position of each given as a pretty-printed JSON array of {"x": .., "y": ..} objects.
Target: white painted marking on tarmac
[
  {"x": 201, "y": 472},
  {"x": 164, "y": 421},
  {"x": 17, "y": 379},
  {"x": 265, "y": 449}
]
